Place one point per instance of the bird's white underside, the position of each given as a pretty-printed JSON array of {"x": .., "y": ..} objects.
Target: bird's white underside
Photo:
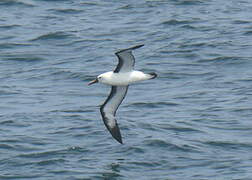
[{"x": 123, "y": 78}]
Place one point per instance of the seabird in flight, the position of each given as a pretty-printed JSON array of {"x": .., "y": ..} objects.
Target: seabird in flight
[{"x": 119, "y": 79}]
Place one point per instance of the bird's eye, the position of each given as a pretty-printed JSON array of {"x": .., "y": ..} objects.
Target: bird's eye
[{"x": 99, "y": 77}]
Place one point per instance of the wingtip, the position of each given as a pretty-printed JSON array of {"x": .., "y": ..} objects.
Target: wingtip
[
  {"x": 115, "y": 132},
  {"x": 138, "y": 46},
  {"x": 131, "y": 48},
  {"x": 120, "y": 141}
]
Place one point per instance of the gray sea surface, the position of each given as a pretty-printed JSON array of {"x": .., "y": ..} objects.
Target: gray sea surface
[{"x": 193, "y": 122}]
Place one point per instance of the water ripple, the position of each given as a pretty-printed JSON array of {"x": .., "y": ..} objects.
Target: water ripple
[
  {"x": 52, "y": 36},
  {"x": 15, "y": 3}
]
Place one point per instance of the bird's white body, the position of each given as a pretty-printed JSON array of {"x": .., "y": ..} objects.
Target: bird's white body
[{"x": 123, "y": 78}]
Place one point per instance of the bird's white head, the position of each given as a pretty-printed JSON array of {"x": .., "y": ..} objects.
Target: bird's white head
[{"x": 102, "y": 78}]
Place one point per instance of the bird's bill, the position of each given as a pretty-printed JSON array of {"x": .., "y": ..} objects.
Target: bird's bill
[{"x": 93, "y": 81}]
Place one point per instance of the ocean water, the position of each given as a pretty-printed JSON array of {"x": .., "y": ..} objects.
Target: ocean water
[{"x": 194, "y": 121}]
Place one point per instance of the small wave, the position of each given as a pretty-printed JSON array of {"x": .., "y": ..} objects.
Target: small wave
[
  {"x": 43, "y": 154},
  {"x": 52, "y": 36},
  {"x": 8, "y": 27},
  {"x": 6, "y": 146},
  {"x": 188, "y": 26},
  {"x": 50, "y": 162},
  {"x": 7, "y": 122},
  {"x": 153, "y": 105},
  {"x": 241, "y": 22},
  {"x": 178, "y": 128},
  {"x": 19, "y": 176},
  {"x": 181, "y": 75},
  {"x": 22, "y": 58},
  {"x": 89, "y": 3},
  {"x": 13, "y": 45},
  {"x": 228, "y": 145},
  {"x": 224, "y": 60},
  {"x": 147, "y": 164},
  {"x": 243, "y": 110},
  {"x": 15, "y": 3},
  {"x": 188, "y": 2},
  {"x": 158, "y": 143},
  {"x": 175, "y": 22},
  {"x": 247, "y": 33},
  {"x": 6, "y": 93},
  {"x": 53, "y": 0},
  {"x": 67, "y": 11},
  {"x": 78, "y": 111},
  {"x": 128, "y": 6},
  {"x": 63, "y": 74}
]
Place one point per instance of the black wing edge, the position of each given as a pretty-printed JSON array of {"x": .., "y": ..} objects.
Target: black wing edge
[
  {"x": 120, "y": 63},
  {"x": 131, "y": 48},
  {"x": 115, "y": 132}
]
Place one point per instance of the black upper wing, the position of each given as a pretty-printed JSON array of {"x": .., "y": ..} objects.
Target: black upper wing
[{"x": 126, "y": 59}]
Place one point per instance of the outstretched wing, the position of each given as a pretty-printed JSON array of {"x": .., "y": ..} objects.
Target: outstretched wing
[
  {"x": 126, "y": 59},
  {"x": 108, "y": 110}
]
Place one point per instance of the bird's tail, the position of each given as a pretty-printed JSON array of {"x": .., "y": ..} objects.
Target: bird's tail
[{"x": 153, "y": 75}]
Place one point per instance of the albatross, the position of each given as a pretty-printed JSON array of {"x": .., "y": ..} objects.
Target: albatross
[{"x": 120, "y": 79}]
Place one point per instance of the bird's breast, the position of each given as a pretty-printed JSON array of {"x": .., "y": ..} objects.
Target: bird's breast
[
  {"x": 125, "y": 78},
  {"x": 119, "y": 79}
]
